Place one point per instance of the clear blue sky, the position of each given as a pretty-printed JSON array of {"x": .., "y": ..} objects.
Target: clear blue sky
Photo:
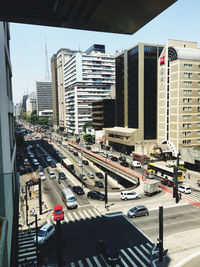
[{"x": 181, "y": 21}]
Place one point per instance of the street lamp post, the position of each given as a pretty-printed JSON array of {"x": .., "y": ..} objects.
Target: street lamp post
[{"x": 81, "y": 145}]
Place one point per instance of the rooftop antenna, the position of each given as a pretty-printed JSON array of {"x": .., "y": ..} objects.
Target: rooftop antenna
[{"x": 46, "y": 61}]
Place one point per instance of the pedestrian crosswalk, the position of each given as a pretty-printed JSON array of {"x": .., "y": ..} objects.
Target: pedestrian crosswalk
[
  {"x": 26, "y": 247},
  {"x": 135, "y": 256},
  {"x": 79, "y": 214}
]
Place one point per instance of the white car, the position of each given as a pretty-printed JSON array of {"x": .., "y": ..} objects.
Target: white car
[
  {"x": 91, "y": 175},
  {"x": 48, "y": 159},
  {"x": 129, "y": 194},
  {"x": 42, "y": 176},
  {"x": 52, "y": 175},
  {"x": 26, "y": 161},
  {"x": 44, "y": 233},
  {"x": 110, "y": 154},
  {"x": 80, "y": 164},
  {"x": 31, "y": 155},
  {"x": 135, "y": 164},
  {"x": 185, "y": 189}
]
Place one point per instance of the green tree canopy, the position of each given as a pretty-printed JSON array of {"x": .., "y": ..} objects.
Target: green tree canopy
[
  {"x": 88, "y": 137},
  {"x": 86, "y": 124}
]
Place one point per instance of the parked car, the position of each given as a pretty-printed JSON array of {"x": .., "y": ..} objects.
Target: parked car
[
  {"x": 31, "y": 155},
  {"x": 35, "y": 162},
  {"x": 85, "y": 162},
  {"x": 96, "y": 195},
  {"x": 82, "y": 176},
  {"x": 78, "y": 190},
  {"x": 99, "y": 184},
  {"x": 122, "y": 158},
  {"x": 58, "y": 213},
  {"x": 26, "y": 161},
  {"x": 124, "y": 164},
  {"x": 167, "y": 182},
  {"x": 75, "y": 153},
  {"x": 61, "y": 176},
  {"x": 109, "y": 251},
  {"x": 138, "y": 211},
  {"x": 186, "y": 189},
  {"x": 40, "y": 168},
  {"x": 114, "y": 158},
  {"x": 52, "y": 175},
  {"x": 44, "y": 233},
  {"x": 80, "y": 164},
  {"x": 42, "y": 176},
  {"x": 129, "y": 194},
  {"x": 91, "y": 175},
  {"x": 135, "y": 164},
  {"x": 99, "y": 175}
]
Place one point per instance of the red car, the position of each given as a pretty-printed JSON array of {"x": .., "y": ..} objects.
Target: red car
[
  {"x": 167, "y": 182},
  {"x": 58, "y": 213}
]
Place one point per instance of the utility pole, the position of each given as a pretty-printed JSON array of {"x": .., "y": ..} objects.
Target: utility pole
[
  {"x": 106, "y": 190},
  {"x": 175, "y": 188},
  {"x": 36, "y": 232},
  {"x": 40, "y": 195},
  {"x": 160, "y": 240},
  {"x": 27, "y": 208},
  {"x": 59, "y": 245}
]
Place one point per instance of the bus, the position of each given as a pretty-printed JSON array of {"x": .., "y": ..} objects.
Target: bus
[
  {"x": 68, "y": 164},
  {"x": 164, "y": 172}
]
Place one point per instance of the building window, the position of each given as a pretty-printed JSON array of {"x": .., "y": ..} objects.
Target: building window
[
  {"x": 186, "y": 117},
  {"x": 187, "y": 108},
  {"x": 198, "y": 132},
  {"x": 198, "y": 116},
  {"x": 198, "y": 109},
  {"x": 187, "y": 100},
  {"x": 186, "y": 125},
  {"x": 198, "y": 83},
  {"x": 198, "y": 124},
  {"x": 186, "y": 83},
  {"x": 198, "y": 140},
  {"x": 199, "y": 92},
  {"x": 187, "y": 92},
  {"x": 188, "y": 66},
  {"x": 187, "y": 74},
  {"x": 186, "y": 133}
]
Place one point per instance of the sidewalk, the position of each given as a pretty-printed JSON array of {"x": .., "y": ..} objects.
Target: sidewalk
[{"x": 33, "y": 203}]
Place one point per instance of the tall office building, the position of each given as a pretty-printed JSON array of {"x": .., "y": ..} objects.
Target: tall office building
[
  {"x": 9, "y": 181},
  {"x": 179, "y": 96},
  {"x": 58, "y": 91},
  {"x": 136, "y": 95},
  {"x": 44, "y": 94},
  {"x": 25, "y": 97},
  {"x": 87, "y": 77}
]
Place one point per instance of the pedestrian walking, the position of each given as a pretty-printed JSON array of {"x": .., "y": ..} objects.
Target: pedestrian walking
[
  {"x": 30, "y": 194},
  {"x": 33, "y": 212},
  {"x": 180, "y": 195},
  {"x": 22, "y": 188},
  {"x": 184, "y": 176},
  {"x": 189, "y": 176}
]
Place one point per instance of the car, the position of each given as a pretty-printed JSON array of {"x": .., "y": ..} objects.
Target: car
[
  {"x": 167, "y": 182},
  {"x": 37, "y": 145},
  {"x": 58, "y": 213},
  {"x": 44, "y": 233},
  {"x": 135, "y": 164},
  {"x": 96, "y": 195},
  {"x": 85, "y": 162},
  {"x": 78, "y": 190},
  {"x": 109, "y": 251},
  {"x": 88, "y": 147},
  {"x": 26, "y": 161},
  {"x": 48, "y": 159},
  {"x": 42, "y": 176},
  {"x": 35, "y": 162},
  {"x": 21, "y": 168},
  {"x": 110, "y": 154},
  {"x": 129, "y": 194},
  {"x": 99, "y": 184},
  {"x": 40, "y": 168},
  {"x": 61, "y": 176},
  {"x": 124, "y": 164},
  {"x": 38, "y": 155},
  {"x": 82, "y": 176},
  {"x": 104, "y": 155},
  {"x": 27, "y": 167},
  {"x": 80, "y": 164},
  {"x": 99, "y": 175},
  {"x": 122, "y": 158},
  {"x": 52, "y": 175},
  {"x": 91, "y": 175},
  {"x": 53, "y": 165},
  {"x": 138, "y": 211},
  {"x": 186, "y": 189},
  {"x": 31, "y": 155},
  {"x": 149, "y": 175},
  {"x": 114, "y": 158},
  {"x": 75, "y": 153}
]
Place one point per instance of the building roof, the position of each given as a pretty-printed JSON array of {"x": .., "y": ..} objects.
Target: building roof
[{"x": 188, "y": 53}]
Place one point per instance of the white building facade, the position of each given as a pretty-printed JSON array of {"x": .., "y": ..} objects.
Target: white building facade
[
  {"x": 31, "y": 103},
  {"x": 87, "y": 77}
]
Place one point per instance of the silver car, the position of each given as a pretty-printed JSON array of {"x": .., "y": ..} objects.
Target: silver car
[{"x": 138, "y": 211}]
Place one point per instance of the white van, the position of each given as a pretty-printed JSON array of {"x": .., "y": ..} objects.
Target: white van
[
  {"x": 186, "y": 189},
  {"x": 69, "y": 198},
  {"x": 149, "y": 175}
]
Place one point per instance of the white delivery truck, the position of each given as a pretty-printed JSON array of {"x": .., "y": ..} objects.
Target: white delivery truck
[{"x": 151, "y": 187}]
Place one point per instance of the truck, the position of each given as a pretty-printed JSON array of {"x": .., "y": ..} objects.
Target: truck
[
  {"x": 68, "y": 164},
  {"x": 151, "y": 187}
]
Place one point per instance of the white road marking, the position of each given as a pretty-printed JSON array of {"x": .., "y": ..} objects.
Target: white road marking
[
  {"x": 72, "y": 264},
  {"x": 80, "y": 263},
  {"x": 149, "y": 245},
  {"x": 76, "y": 216},
  {"x": 142, "y": 254},
  {"x": 91, "y": 213},
  {"x": 97, "y": 261},
  {"x": 89, "y": 262},
  {"x": 135, "y": 256},
  {"x": 81, "y": 215},
  {"x": 183, "y": 232},
  {"x": 65, "y": 218},
  {"x": 71, "y": 218},
  {"x": 98, "y": 213},
  {"x": 128, "y": 258},
  {"x": 87, "y": 215},
  {"x": 145, "y": 249}
]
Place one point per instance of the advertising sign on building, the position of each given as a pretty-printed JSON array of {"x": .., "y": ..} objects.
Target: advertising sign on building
[{"x": 162, "y": 60}]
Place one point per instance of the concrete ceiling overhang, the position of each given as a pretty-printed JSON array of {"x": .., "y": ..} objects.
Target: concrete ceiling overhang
[{"x": 117, "y": 16}]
